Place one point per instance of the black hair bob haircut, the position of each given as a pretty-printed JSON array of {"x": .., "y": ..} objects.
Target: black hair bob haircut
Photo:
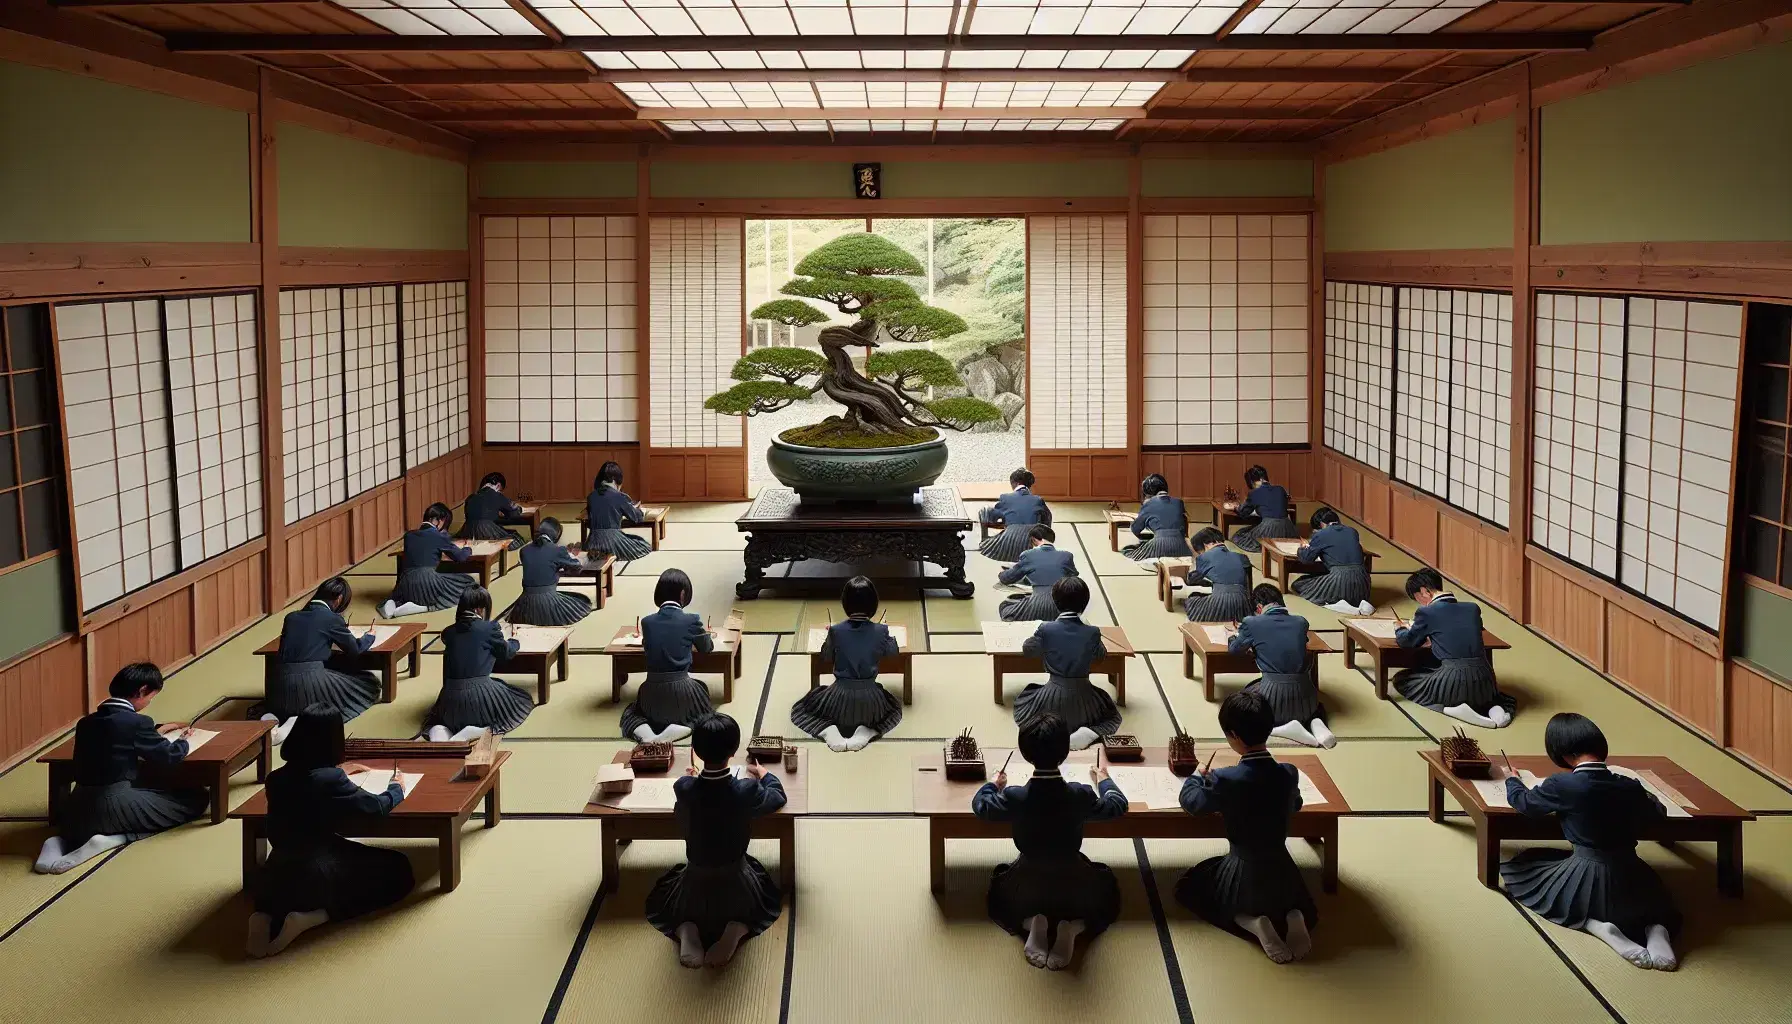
[
  {"x": 1569, "y": 735},
  {"x": 135, "y": 677},
  {"x": 1263, "y": 595},
  {"x": 1022, "y": 477},
  {"x": 491, "y": 480},
  {"x": 859, "y": 596},
  {"x": 608, "y": 473},
  {"x": 439, "y": 513},
  {"x": 1070, "y": 594},
  {"x": 673, "y": 585},
  {"x": 1206, "y": 537},
  {"x": 1040, "y": 531},
  {"x": 334, "y": 592},
  {"x": 1424, "y": 579},
  {"x": 1256, "y": 475},
  {"x": 1153, "y": 484},
  {"x": 1045, "y": 741},
  {"x": 1324, "y": 516},
  {"x": 1246, "y": 715},
  {"x": 715, "y": 738}
]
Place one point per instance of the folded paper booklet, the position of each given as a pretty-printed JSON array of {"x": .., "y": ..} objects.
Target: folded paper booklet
[
  {"x": 654, "y": 511},
  {"x": 1117, "y": 516},
  {"x": 1310, "y": 795},
  {"x": 376, "y": 781},
  {"x": 197, "y": 739},
  {"x": 1493, "y": 791},
  {"x": 1006, "y": 637},
  {"x": 381, "y": 634},
  {"x": 1154, "y": 787},
  {"x": 1671, "y": 798},
  {"x": 1219, "y": 634},
  {"x": 1381, "y": 628},
  {"x": 819, "y": 633}
]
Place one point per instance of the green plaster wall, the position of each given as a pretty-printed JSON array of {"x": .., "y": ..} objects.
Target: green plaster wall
[
  {"x": 338, "y": 191},
  {"x": 557, "y": 179},
  {"x": 1450, "y": 192},
  {"x": 1763, "y": 628},
  {"x": 1224, "y": 178},
  {"x": 37, "y": 603}
]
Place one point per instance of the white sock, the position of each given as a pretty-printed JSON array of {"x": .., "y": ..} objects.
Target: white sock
[
  {"x": 1341, "y": 607},
  {"x": 388, "y": 610},
  {"x": 408, "y": 608},
  {"x": 836, "y": 742},
  {"x": 270, "y": 717},
  {"x": 1661, "y": 950},
  {"x": 1366, "y": 608},
  {"x": 1296, "y": 732},
  {"x": 282, "y": 729},
  {"x": 723, "y": 951},
  {"x": 645, "y": 734},
  {"x": 1499, "y": 716},
  {"x": 1464, "y": 713},
  {"x": 437, "y": 734},
  {"x": 1620, "y": 943},
  {"x": 861, "y": 738},
  {"x": 1083, "y": 738},
  {"x": 51, "y": 853},
  {"x": 1065, "y": 947},
  {"x": 295, "y": 925},
  {"x": 261, "y": 928},
  {"x": 86, "y": 852},
  {"x": 1273, "y": 946},
  {"x": 1324, "y": 735},
  {"x": 690, "y": 945},
  {"x": 469, "y": 734},
  {"x": 674, "y": 733},
  {"x": 1037, "y": 929},
  {"x": 1300, "y": 941}
]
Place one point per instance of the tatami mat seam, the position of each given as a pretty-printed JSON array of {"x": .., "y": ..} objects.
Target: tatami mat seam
[
  {"x": 789, "y": 956},
  {"x": 45, "y": 905},
  {"x": 552, "y": 1012},
  {"x": 1567, "y": 961},
  {"x": 1172, "y": 965},
  {"x": 765, "y": 692}
]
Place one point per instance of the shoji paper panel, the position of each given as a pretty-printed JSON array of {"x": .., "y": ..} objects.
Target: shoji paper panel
[
  {"x": 1579, "y": 428},
  {"x": 1225, "y": 329},
  {"x": 1359, "y": 370},
  {"x": 1680, "y": 411},
  {"x": 696, "y": 330},
  {"x": 1481, "y": 404},
  {"x": 213, "y": 384},
  {"x": 121, "y": 467},
  {"x": 1422, "y": 390},
  {"x": 435, "y": 369},
  {"x": 370, "y": 398},
  {"x": 311, "y": 400},
  {"x": 1076, "y": 326},
  {"x": 560, "y": 328}
]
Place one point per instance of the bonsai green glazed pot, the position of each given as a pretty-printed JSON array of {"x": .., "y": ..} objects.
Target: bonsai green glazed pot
[{"x": 857, "y": 474}]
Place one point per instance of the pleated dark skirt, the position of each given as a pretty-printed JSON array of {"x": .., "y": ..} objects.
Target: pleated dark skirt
[
  {"x": 624, "y": 545},
  {"x": 1063, "y": 890},
  {"x": 1159, "y": 545},
  {"x": 713, "y": 895},
  {"x": 125, "y": 809},
  {"x": 488, "y": 529},
  {"x": 1251, "y": 538},
  {"x": 1007, "y": 545},
  {"x": 1339, "y": 583},
  {"x": 1260, "y": 883},
  {"x": 298, "y": 685},
  {"x": 549, "y": 606},
  {"x": 338, "y": 876},
  {"x": 847, "y": 704},
  {"x": 1571, "y": 887},
  {"x": 1229, "y": 602},
  {"x": 666, "y": 698},
  {"x": 1079, "y": 702},
  {"x": 484, "y": 702},
  {"x": 1037, "y": 605},
  {"x": 434, "y": 590},
  {"x": 1291, "y": 697},
  {"x": 1451, "y": 682}
]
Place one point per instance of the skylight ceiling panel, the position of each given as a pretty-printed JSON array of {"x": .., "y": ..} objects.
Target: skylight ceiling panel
[
  {"x": 693, "y": 60},
  {"x": 823, "y": 21},
  {"x": 1432, "y": 20},
  {"x": 719, "y": 21},
  {"x": 769, "y": 21}
]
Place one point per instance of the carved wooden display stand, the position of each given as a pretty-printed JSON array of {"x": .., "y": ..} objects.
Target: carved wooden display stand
[{"x": 779, "y": 528}]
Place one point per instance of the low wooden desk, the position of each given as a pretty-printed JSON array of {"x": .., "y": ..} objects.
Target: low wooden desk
[
  {"x": 381, "y": 657},
  {"x": 436, "y": 809},
  {"x": 654, "y": 522},
  {"x": 988, "y": 490},
  {"x": 1117, "y": 521},
  {"x": 532, "y": 515},
  {"x": 1386, "y": 652},
  {"x": 486, "y": 554},
  {"x": 601, "y": 574},
  {"x": 1226, "y": 516},
  {"x": 1281, "y": 559},
  {"x": 1169, "y": 570},
  {"x": 780, "y": 527},
  {"x": 901, "y": 663},
  {"x": 989, "y": 526},
  {"x": 1006, "y": 658},
  {"x": 1216, "y": 658},
  {"x": 542, "y": 647},
  {"x": 237, "y": 745},
  {"x": 621, "y": 827},
  {"x": 725, "y": 660},
  {"x": 1714, "y": 819},
  {"x": 946, "y": 804}
]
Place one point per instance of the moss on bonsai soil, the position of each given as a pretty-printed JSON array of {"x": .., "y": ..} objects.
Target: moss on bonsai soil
[{"x": 834, "y": 432}]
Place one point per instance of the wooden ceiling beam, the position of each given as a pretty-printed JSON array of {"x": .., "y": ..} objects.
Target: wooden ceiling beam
[
  {"x": 1462, "y": 42},
  {"x": 654, "y": 114},
  {"x": 90, "y": 5},
  {"x": 1198, "y": 76}
]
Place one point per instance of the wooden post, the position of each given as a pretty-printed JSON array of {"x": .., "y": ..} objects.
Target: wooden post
[
  {"x": 265, "y": 225},
  {"x": 1524, "y": 235},
  {"x": 1316, "y": 335},
  {"x": 643, "y": 324},
  {"x": 1135, "y": 320},
  {"x": 475, "y": 327}
]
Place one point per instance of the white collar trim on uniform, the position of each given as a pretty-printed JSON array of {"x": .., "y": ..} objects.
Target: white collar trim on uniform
[{"x": 1591, "y": 766}]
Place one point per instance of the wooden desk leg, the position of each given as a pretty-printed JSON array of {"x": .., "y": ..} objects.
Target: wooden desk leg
[
  {"x": 1435, "y": 801},
  {"x": 1328, "y": 858},
  {"x": 1119, "y": 679},
  {"x": 1188, "y": 658},
  {"x": 618, "y": 676},
  {"x": 814, "y": 671},
  {"x": 562, "y": 656},
  {"x": 610, "y": 580},
  {"x": 1729, "y": 861},
  {"x": 1487, "y": 854},
  {"x": 252, "y": 852},
  {"x": 997, "y": 672},
  {"x": 908, "y": 681},
  {"x": 1381, "y": 675},
  {"x": 787, "y": 856},
  {"x": 389, "y": 678},
  {"x": 416, "y": 655},
  {"x": 448, "y": 843},
  {"x": 936, "y": 854},
  {"x": 1114, "y": 535},
  {"x": 728, "y": 682},
  {"x": 494, "y": 811},
  {"x": 264, "y": 761},
  {"x": 62, "y": 779},
  {"x": 221, "y": 794},
  {"x": 1206, "y": 678},
  {"x": 1349, "y": 650},
  {"x": 609, "y": 862},
  {"x": 541, "y": 682}
]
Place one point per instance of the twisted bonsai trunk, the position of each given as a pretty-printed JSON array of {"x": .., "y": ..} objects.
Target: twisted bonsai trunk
[{"x": 871, "y": 406}]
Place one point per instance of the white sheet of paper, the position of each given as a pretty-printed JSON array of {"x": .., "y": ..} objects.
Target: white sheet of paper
[
  {"x": 1493, "y": 791},
  {"x": 198, "y": 738},
  {"x": 1121, "y": 517},
  {"x": 1154, "y": 787},
  {"x": 1670, "y": 798},
  {"x": 629, "y": 639},
  {"x": 1012, "y": 588},
  {"x": 376, "y": 781},
  {"x": 539, "y": 639},
  {"x": 1219, "y": 634},
  {"x": 1290, "y": 547},
  {"x": 653, "y": 511},
  {"x": 1075, "y": 767},
  {"x": 1006, "y": 637},
  {"x": 1172, "y": 561},
  {"x": 1310, "y": 794},
  {"x": 1384, "y": 628},
  {"x": 650, "y": 793},
  {"x": 381, "y": 634},
  {"x": 488, "y": 547},
  {"x": 819, "y": 633}
]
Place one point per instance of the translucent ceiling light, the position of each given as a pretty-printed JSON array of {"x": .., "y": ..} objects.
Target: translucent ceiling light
[{"x": 443, "y": 17}]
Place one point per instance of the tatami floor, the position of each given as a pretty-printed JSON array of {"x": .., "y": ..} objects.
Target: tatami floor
[{"x": 154, "y": 930}]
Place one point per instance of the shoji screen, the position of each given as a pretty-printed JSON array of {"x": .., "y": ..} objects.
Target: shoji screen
[
  {"x": 696, "y": 330},
  {"x": 121, "y": 469},
  {"x": 1481, "y": 404},
  {"x": 1225, "y": 341},
  {"x": 435, "y": 369},
  {"x": 1076, "y": 327},
  {"x": 213, "y": 385},
  {"x": 1680, "y": 410},
  {"x": 1359, "y": 370},
  {"x": 560, "y": 328},
  {"x": 1579, "y": 428},
  {"x": 370, "y": 368},
  {"x": 311, "y": 400},
  {"x": 1422, "y": 389}
]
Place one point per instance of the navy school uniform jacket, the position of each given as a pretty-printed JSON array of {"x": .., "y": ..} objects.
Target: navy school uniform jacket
[
  {"x": 542, "y": 563},
  {"x": 856, "y": 646},
  {"x": 111, "y": 742},
  {"x": 309, "y": 633},
  {"x": 1049, "y": 812},
  {"x": 1067, "y": 645},
  {"x": 1597, "y": 808},
  {"x": 609, "y": 509},
  {"x": 1337, "y": 544},
  {"x": 1266, "y": 501},
  {"x": 669, "y": 635},
  {"x": 1019, "y": 507},
  {"x": 1219, "y": 564},
  {"x": 487, "y": 505},
  {"x": 425, "y": 546},
  {"x": 471, "y": 649},
  {"x": 1256, "y": 797},
  {"x": 1162, "y": 514},
  {"x": 1043, "y": 565},
  {"x": 715, "y": 812},
  {"x": 306, "y": 805},
  {"x": 1278, "y": 638},
  {"x": 1452, "y": 626}
]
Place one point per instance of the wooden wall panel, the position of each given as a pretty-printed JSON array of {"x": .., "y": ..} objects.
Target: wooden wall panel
[
  {"x": 377, "y": 517},
  {"x": 1760, "y": 718},
  {"x": 559, "y": 472},
  {"x": 1378, "y": 512},
  {"x": 161, "y": 631},
  {"x": 1103, "y": 474},
  {"x": 1568, "y": 613},
  {"x": 316, "y": 549},
  {"x": 693, "y": 474},
  {"x": 1203, "y": 476},
  {"x": 448, "y": 479},
  {"x": 228, "y": 600},
  {"x": 1479, "y": 555},
  {"x": 1414, "y": 524},
  {"x": 1672, "y": 673},
  {"x": 41, "y": 692}
]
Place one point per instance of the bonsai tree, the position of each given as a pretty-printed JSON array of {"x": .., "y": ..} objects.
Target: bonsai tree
[{"x": 857, "y": 274}]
